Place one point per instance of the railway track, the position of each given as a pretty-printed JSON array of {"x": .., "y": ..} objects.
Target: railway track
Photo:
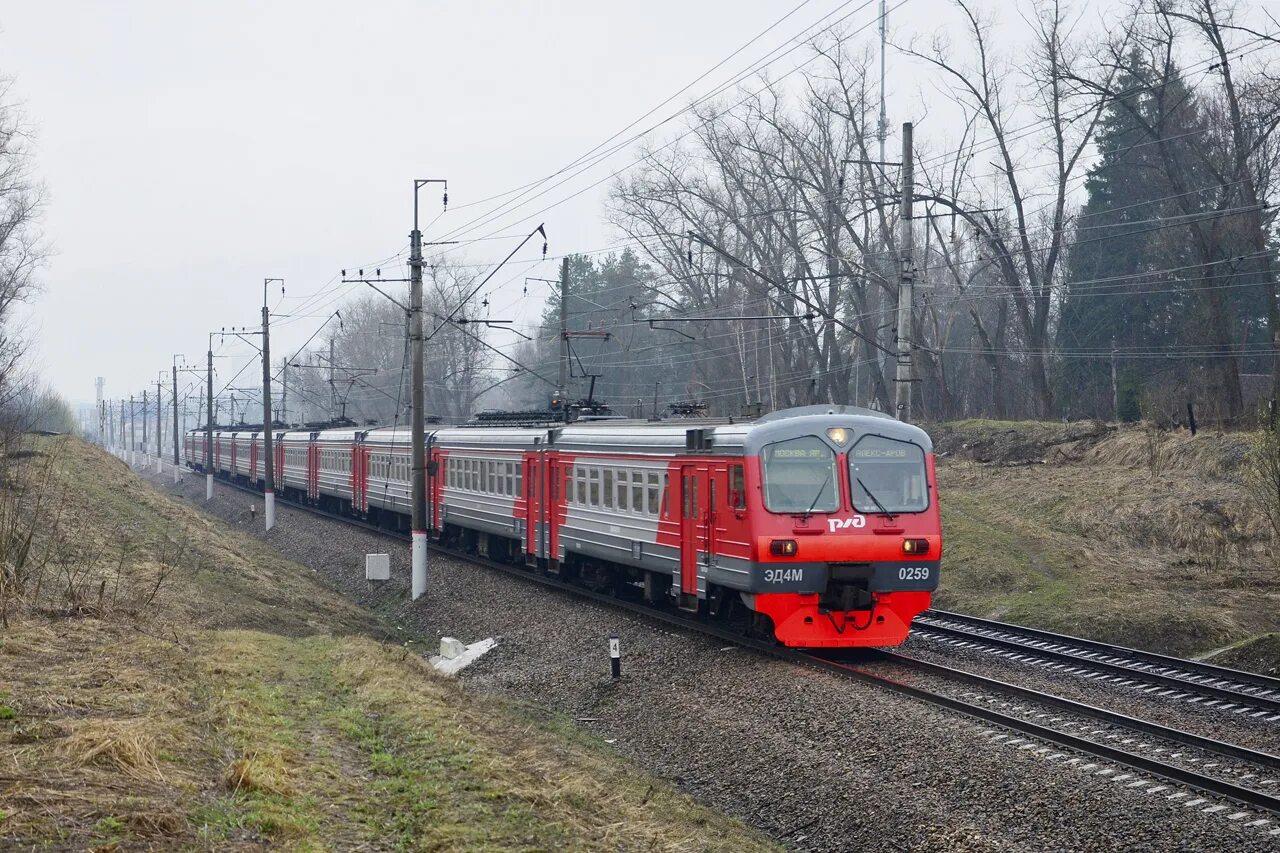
[
  {"x": 1003, "y": 711},
  {"x": 1242, "y": 693}
]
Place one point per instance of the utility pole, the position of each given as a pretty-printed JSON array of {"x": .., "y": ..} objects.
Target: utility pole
[
  {"x": 418, "y": 397},
  {"x": 159, "y": 427},
  {"x": 269, "y": 490},
  {"x": 563, "y": 388},
  {"x": 906, "y": 280},
  {"x": 133, "y": 430},
  {"x": 208, "y": 429},
  {"x": 176, "y": 461},
  {"x": 144, "y": 427}
]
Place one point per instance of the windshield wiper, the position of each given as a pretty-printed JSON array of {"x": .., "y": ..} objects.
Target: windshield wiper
[
  {"x": 875, "y": 500},
  {"x": 821, "y": 489}
]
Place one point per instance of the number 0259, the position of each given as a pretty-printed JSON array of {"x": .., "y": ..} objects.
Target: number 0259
[{"x": 913, "y": 573}]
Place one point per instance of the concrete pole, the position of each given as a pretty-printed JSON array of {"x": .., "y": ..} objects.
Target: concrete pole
[
  {"x": 906, "y": 281},
  {"x": 418, "y": 397},
  {"x": 176, "y": 459},
  {"x": 133, "y": 431},
  {"x": 159, "y": 429},
  {"x": 269, "y": 463},
  {"x": 563, "y": 387},
  {"x": 208, "y": 430}
]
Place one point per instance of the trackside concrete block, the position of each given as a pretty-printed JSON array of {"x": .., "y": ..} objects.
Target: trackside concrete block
[
  {"x": 377, "y": 567},
  {"x": 451, "y": 648}
]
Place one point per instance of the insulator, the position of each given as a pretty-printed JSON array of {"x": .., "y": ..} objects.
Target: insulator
[
  {"x": 446, "y": 198},
  {"x": 544, "y": 250}
]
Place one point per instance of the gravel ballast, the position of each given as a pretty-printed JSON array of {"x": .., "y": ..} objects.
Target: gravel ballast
[{"x": 817, "y": 761}]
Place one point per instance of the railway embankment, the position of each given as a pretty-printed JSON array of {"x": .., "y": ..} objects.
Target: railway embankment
[
  {"x": 810, "y": 758},
  {"x": 168, "y": 682},
  {"x": 1124, "y": 534}
]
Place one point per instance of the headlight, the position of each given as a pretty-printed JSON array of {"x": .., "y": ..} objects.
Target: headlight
[
  {"x": 783, "y": 547},
  {"x": 915, "y": 546}
]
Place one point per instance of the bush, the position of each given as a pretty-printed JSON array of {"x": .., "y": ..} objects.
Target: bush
[{"x": 1263, "y": 476}]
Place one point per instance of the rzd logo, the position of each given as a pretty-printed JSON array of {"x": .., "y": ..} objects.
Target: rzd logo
[{"x": 857, "y": 521}]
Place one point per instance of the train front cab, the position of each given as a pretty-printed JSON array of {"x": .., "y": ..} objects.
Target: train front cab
[{"x": 847, "y": 534}]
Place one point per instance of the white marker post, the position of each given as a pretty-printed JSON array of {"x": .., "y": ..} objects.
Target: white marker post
[
  {"x": 208, "y": 487},
  {"x": 271, "y": 509},
  {"x": 615, "y": 656}
]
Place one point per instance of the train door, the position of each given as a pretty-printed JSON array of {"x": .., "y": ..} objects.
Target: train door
[
  {"x": 533, "y": 505},
  {"x": 359, "y": 477},
  {"x": 553, "y": 486},
  {"x": 689, "y": 530},
  {"x": 717, "y": 489},
  {"x": 313, "y": 470},
  {"x": 277, "y": 448},
  {"x": 435, "y": 485}
]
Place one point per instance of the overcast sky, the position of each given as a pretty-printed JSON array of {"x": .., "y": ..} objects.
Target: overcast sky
[{"x": 190, "y": 150}]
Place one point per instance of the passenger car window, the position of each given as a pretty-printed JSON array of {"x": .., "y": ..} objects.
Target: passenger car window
[{"x": 737, "y": 487}]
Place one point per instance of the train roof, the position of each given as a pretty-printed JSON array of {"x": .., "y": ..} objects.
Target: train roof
[{"x": 703, "y": 435}]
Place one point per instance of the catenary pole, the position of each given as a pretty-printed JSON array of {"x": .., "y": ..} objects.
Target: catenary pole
[
  {"x": 418, "y": 403},
  {"x": 144, "y": 427},
  {"x": 133, "y": 430},
  {"x": 208, "y": 429},
  {"x": 159, "y": 426},
  {"x": 176, "y": 451},
  {"x": 563, "y": 389},
  {"x": 269, "y": 463},
  {"x": 906, "y": 280}
]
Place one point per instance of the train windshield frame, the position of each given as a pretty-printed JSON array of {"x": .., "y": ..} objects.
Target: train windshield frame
[
  {"x": 888, "y": 476},
  {"x": 800, "y": 476}
]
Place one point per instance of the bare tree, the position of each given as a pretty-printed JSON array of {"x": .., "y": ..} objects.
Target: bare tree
[
  {"x": 1025, "y": 243},
  {"x": 22, "y": 248},
  {"x": 361, "y": 371}
]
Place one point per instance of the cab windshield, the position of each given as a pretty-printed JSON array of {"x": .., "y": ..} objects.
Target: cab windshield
[
  {"x": 800, "y": 476},
  {"x": 887, "y": 476}
]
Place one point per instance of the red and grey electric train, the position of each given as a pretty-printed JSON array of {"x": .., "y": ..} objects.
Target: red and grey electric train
[{"x": 818, "y": 525}]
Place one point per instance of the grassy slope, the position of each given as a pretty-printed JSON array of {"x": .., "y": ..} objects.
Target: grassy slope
[
  {"x": 1096, "y": 542},
  {"x": 244, "y": 704}
]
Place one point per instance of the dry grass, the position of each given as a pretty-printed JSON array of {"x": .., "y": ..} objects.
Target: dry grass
[
  {"x": 216, "y": 696},
  {"x": 1135, "y": 537},
  {"x": 128, "y": 747},
  {"x": 258, "y": 773}
]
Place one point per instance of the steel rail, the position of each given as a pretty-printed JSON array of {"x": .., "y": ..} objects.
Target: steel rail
[
  {"x": 1169, "y": 772},
  {"x": 1225, "y": 686}
]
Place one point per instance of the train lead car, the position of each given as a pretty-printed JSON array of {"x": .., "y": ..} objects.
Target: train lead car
[{"x": 818, "y": 526}]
